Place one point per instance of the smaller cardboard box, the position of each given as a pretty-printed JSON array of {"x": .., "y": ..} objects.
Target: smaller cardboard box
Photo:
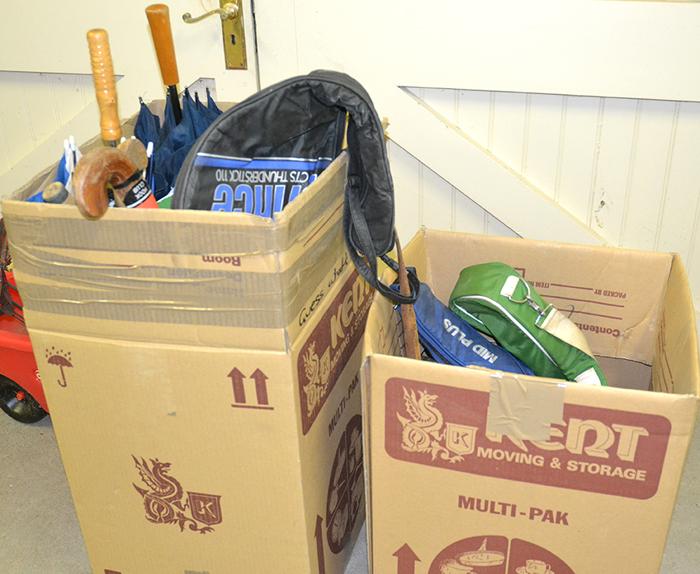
[
  {"x": 201, "y": 371},
  {"x": 480, "y": 471}
]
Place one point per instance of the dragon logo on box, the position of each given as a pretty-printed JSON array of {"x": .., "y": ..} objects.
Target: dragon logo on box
[
  {"x": 165, "y": 502},
  {"x": 424, "y": 430},
  {"x": 330, "y": 345}
]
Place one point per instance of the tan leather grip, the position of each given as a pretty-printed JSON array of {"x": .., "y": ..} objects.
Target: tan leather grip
[
  {"x": 105, "y": 90},
  {"x": 159, "y": 21}
]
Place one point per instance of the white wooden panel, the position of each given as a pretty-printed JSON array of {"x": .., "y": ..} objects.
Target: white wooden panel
[
  {"x": 468, "y": 216},
  {"x": 510, "y": 117},
  {"x": 33, "y": 106},
  {"x": 615, "y": 162},
  {"x": 439, "y": 205},
  {"x": 605, "y": 159},
  {"x": 38, "y": 110},
  {"x": 439, "y": 211},
  {"x": 474, "y": 115},
  {"x": 70, "y": 93},
  {"x": 678, "y": 223},
  {"x": 496, "y": 227},
  {"x": 475, "y": 112},
  {"x": 436, "y": 200},
  {"x": 540, "y": 46},
  {"x": 543, "y": 141},
  {"x": 444, "y": 149},
  {"x": 578, "y": 156},
  {"x": 406, "y": 173},
  {"x": 648, "y": 178},
  {"x": 57, "y": 42}
]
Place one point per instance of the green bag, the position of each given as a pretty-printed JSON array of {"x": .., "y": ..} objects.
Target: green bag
[{"x": 497, "y": 301}]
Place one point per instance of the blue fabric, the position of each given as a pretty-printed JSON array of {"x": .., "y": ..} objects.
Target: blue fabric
[
  {"x": 212, "y": 109},
  {"x": 196, "y": 114},
  {"x": 147, "y": 128},
  {"x": 172, "y": 141},
  {"x": 62, "y": 173},
  {"x": 450, "y": 340}
]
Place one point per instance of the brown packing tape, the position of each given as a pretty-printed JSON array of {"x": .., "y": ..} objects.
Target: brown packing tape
[
  {"x": 171, "y": 294},
  {"x": 192, "y": 334},
  {"x": 31, "y": 227},
  {"x": 524, "y": 410}
]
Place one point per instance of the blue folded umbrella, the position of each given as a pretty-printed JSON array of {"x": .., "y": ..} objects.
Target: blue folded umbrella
[
  {"x": 195, "y": 111},
  {"x": 172, "y": 141},
  {"x": 211, "y": 110},
  {"x": 147, "y": 128}
]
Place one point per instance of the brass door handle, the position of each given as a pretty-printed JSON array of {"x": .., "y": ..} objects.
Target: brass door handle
[{"x": 228, "y": 11}]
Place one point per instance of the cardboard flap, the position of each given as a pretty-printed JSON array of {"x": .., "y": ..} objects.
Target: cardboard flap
[
  {"x": 675, "y": 368},
  {"x": 613, "y": 295},
  {"x": 176, "y": 268}
]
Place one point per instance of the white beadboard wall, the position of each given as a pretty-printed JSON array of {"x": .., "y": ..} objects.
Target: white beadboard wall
[
  {"x": 625, "y": 167},
  {"x": 630, "y": 169},
  {"x": 33, "y": 106}
]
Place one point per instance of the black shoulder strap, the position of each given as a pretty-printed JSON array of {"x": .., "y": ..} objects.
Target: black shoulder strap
[{"x": 368, "y": 216}]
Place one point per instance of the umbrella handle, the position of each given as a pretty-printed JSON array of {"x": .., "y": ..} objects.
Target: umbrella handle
[
  {"x": 96, "y": 170},
  {"x": 105, "y": 89},
  {"x": 159, "y": 21}
]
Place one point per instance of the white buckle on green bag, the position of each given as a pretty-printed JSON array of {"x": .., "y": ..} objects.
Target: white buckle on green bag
[{"x": 508, "y": 290}]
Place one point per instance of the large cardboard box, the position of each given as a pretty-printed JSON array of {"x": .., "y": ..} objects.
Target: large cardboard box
[
  {"x": 486, "y": 472},
  {"x": 201, "y": 371}
]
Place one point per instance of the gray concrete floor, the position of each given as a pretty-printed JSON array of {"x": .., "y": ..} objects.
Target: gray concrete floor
[{"x": 39, "y": 532}]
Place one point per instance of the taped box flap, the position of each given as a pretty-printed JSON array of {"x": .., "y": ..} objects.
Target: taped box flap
[{"x": 177, "y": 267}]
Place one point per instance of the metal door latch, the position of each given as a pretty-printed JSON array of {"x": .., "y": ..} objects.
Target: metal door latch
[
  {"x": 228, "y": 11},
  {"x": 232, "y": 30}
]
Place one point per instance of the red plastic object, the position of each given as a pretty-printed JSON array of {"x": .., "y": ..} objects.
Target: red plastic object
[{"x": 16, "y": 357}]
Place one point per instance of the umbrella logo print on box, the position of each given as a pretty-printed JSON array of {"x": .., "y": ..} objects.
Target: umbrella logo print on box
[
  {"x": 62, "y": 360},
  {"x": 165, "y": 502}
]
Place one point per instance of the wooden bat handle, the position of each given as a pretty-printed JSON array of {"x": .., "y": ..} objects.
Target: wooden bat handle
[
  {"x": 159, "y": 21},
  {"x": 105, "y": 90},
  {"x": 408, "y": 314}
]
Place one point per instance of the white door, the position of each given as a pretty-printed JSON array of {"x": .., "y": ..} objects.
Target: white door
[
  {"x": 46, "y": 90},
  {"x": 570, "y": 121}
]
